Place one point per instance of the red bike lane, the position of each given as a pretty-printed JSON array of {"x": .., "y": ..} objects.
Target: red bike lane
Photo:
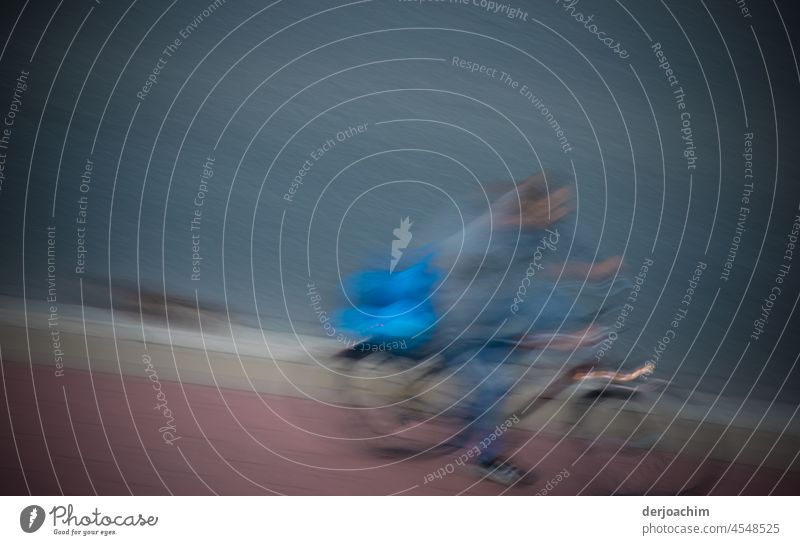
[{"x": 99, "y": 433}]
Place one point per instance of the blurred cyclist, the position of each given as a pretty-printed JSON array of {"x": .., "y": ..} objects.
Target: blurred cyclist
[{"x": 509, "y": 272}]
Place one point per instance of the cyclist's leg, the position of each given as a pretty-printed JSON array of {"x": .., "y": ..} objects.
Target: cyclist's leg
[{"x": 487, "y": 379}]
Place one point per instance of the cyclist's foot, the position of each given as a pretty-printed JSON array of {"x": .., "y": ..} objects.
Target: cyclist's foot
[{"x": 500, "y": 471}]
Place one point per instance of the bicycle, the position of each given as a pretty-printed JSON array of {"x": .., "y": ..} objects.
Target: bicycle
[{"x": 407, "y": 406}]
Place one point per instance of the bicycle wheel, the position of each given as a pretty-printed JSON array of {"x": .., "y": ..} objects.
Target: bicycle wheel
[{"x": 402, "y": 406}]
